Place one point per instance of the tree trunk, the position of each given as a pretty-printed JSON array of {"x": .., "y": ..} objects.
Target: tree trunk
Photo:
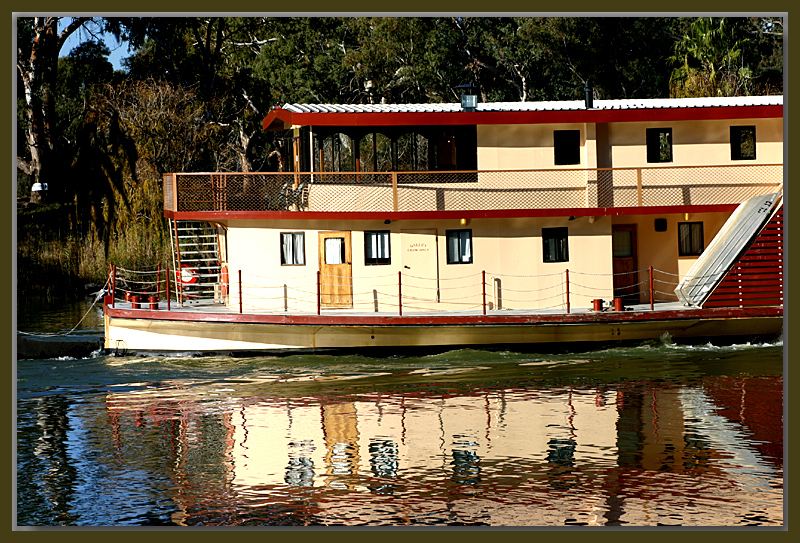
[{"x": 39, "y": 75}]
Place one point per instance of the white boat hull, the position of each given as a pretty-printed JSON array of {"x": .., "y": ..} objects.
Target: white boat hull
[{"x": 126, "y": 335}]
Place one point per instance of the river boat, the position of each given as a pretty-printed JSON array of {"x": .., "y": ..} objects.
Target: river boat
[{"x": 400, "y": 226}]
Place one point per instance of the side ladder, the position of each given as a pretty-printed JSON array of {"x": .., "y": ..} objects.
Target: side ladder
[{"x": 196, "y": 258}]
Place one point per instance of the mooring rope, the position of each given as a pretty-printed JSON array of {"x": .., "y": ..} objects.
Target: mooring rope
[{"x": 96, "y": 299}]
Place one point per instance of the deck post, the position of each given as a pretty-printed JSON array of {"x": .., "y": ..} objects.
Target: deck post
[
  {"x": 651, "y": 288},
  {"x": 240, "y": 291},
  {"x": 639, "y": 187},
  {"x": 285, "y": 297},
  {"x": 394, "y": 191},
  {"x": 567, "y": 283},
  {"x": 158, "y": 281},
  {"x": 400, "y": 292},
  {"x": 319, "y": 298},
  {"x": 113, "y": 283},
  {"x": 167, "y": 279},
  {"x": 483, "y": 288}
]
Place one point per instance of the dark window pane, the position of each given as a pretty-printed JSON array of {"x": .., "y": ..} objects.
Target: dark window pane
[
  {"x": 743, "y": 143},
  {"x": 459, "y": 246},
  {"x": 554, "y": 244},
  {"x": 659, "y": 144},
  {"x": 567, "y": 147},
  {"x": 622, "y": 243},
  {"x": 690, "y": 238},
  {"x": 376, "y": 248}
]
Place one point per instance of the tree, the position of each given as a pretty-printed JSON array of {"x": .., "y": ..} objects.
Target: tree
[
  {"x": 714, "y": 58},
  {"x": 38, "y": 45}
]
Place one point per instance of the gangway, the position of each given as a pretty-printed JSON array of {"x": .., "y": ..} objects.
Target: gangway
[{"x": 737, "y": 235}]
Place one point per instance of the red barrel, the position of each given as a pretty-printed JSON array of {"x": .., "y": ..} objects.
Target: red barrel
[
  {"x": 617, "y": 304},
  {"x": 134, "y": 302},
  {"x": 597, "y": 304},
  {"x": 153, "y": 302}
]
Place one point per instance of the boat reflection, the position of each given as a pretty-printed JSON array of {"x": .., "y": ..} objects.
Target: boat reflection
[{"x": 635, "y": 454}]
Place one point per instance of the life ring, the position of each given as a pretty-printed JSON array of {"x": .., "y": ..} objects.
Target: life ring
[
  {"x": 187, "y": 275},
  {"x": 224, "y": 280}
]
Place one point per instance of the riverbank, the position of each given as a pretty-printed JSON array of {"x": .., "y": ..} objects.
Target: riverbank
[{"x": 60, "y": 260}]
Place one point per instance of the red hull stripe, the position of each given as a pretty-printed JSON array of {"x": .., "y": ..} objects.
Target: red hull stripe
[{"x": 432, "y": 215}]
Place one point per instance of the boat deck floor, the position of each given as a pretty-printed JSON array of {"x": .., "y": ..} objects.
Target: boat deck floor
[{"x": 222, "y": 309}]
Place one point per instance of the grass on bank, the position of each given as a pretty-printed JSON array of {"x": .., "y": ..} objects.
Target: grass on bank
[{"x": 57, "y": 262}]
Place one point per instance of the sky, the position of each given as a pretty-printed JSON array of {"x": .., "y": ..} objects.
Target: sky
[{"x": 119, "y": 51}]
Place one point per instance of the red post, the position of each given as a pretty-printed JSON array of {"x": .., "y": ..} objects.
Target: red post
[
  {"x": 158, "y": 281},
  {"x": 400, "y": 292},
  {"x": 567, "y": 277},
  {"x": 319, "y": 297},
  {"x": 483, "y": 288},
  {"x": 651, "y": 288},
  {"x": 113, "y": 283},
  {"x": 240, "y": 291},
  {"x": 167, "y": 279}
]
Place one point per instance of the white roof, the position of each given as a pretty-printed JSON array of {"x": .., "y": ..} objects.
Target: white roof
[{"x": 560, "y": 105}]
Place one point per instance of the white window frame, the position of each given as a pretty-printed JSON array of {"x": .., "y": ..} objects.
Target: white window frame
[{"x": 293, "y": 248}]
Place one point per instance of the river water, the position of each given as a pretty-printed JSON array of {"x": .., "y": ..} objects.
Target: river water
[{"x": 655, "y": 434}]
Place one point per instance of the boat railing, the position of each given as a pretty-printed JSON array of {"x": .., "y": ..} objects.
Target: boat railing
[
  {"x": 469, "y": 190},
  {"x": 396, "y": 293}
]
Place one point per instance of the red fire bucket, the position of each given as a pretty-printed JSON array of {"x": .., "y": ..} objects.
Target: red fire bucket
[
  {"x": 597, "y": 304},
  {"x": 617, "y": 304}
]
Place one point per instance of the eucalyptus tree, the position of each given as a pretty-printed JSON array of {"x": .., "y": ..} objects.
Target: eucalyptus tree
[{"x": 39, "y": 43}]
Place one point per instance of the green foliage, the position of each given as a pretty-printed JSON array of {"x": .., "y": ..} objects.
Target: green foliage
[{"x": 721, "y": 56}]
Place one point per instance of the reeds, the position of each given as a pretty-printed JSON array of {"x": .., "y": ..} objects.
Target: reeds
[{"x": 56, "y": 262}]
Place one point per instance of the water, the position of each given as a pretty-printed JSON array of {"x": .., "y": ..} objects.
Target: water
[{"x": 649, "y": 435}]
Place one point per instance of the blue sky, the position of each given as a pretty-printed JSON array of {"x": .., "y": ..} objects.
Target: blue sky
[{"x": 119, "y": 51}]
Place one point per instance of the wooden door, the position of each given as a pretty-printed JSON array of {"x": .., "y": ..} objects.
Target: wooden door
[
  {"x": 420, "y": 266},
  {"x": 336, "y": 269},
  {"x": 625, "y": 263}
]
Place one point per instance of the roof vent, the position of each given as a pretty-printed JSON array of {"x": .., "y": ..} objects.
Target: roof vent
[
  {"x": 469, "y": 97},
  {"x": 588, "y": 93}
]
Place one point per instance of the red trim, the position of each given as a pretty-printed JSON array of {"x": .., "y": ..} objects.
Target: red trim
[
  {"x": 432, "y": 215},
  {"x": 281, "y": 119},
  {"x": 450, "y": 320}
]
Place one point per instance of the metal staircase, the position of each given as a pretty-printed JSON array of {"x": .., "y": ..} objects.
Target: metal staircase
[{"x": 196, "y": 257}]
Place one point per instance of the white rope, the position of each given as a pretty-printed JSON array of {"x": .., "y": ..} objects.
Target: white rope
[{"x": 98, "y": 297}]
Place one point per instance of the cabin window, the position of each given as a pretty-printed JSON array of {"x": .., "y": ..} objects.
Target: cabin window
[
  {"x": 293, "y": 249},
  {"x": 555, "y": 247},
  {"x": 659, "y": 145},
  {"x": 454, "y": 148},
  {"x": 459, "y": 246},
  {"x": 690, "y": 238},
  {"x": 743, "y": 143},
  {"x": 567, "y": 147},
  {"x": 376, "y": 248}
]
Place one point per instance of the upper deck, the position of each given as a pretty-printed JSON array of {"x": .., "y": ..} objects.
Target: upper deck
[
  {"x": 564, "y": 157},
  {"x": 596, "y": 190}
]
